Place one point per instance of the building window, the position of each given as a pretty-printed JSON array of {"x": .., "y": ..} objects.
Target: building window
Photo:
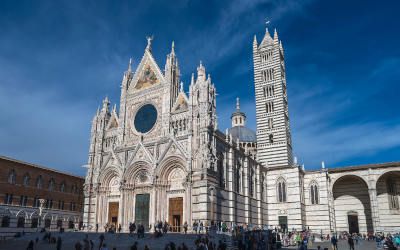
[
  {"x": 8, "y": 199},
  {"x": 270, "y": 123},
  {"x": 26, "y": 180},
  {"x": 392, "y": 194},
  {"x": 23, "y": 200},
  {"x": 61, "y": 205},
  {"x": 49, "y": 204},
  {"x": 251, "y": 182},
  {"x": 271, "y": 138},
  {"x": 221, "y": 172},
  {"x": 5, "y": 221},
  {"x": 281, "y": 189},
  {"x": 51, "y": 184},
  {"x": 238, "y": 179},
  {"x": 12, "y": 177},
  {"x": 34, "y": 222},
  {"x": 314, "y": 194},
  {"x": 21, "y": 222},
  {"x": 72, "y": 206},
  {"x": 62, "y": 187},
  {"x": 39, "y": 182},
  {"x": 269, "y": 107},
  {"x": 35, "y": 202}
]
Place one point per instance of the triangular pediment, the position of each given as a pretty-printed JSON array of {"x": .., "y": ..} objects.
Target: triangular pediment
[
  {"x": 173, "y": 148},
  {"x": 181, "y": 103},
  {"x": 113, "y": 122},
  {"x": 140, "y": 153},
  {"x": 147, "y": 74}
]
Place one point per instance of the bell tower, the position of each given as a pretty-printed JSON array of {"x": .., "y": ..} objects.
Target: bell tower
[{"x": 274, "y": 144}]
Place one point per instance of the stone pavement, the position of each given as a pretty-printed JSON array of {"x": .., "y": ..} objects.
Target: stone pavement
[
  {"x": 342, "y": 245},
  {"x": 120, "y": 241},
  {"x": 124, "y": 241}
]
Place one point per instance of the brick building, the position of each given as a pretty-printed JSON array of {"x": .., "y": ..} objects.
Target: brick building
[{"x": 23, "y": 185}]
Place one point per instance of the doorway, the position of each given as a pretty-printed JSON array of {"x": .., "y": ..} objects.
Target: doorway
[
  {"x": 175, "y": 213},
  {"x": 283, "y": 223},
  {"x": 113, "y": 213},
  {"x": 142, "y": 210},
  {"x": 353, "y": 222}
]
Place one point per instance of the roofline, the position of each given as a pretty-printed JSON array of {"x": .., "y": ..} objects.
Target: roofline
[
  {"x": 365, "y": 166},
  {"x": 39, "y": 166}
]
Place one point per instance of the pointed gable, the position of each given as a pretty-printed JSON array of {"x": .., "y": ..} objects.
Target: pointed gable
[
  {"x": 181, "y": 103},
  {"x": 113, "y": 122},
  {"x": 147, "y": 74}
]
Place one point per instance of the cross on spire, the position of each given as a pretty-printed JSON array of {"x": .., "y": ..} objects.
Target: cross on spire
[{"x": 149, "y": 40}]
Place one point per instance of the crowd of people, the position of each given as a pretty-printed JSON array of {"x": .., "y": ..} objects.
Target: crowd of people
[{"x": 243, "y": 237}]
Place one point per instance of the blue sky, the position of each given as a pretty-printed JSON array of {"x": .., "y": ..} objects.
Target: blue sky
[{"x": 59, "y": 59}]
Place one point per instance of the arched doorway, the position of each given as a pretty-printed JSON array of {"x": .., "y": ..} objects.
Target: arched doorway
[
  {"x": 352, "y": 205},
  {"x": 388, "y": 201}
]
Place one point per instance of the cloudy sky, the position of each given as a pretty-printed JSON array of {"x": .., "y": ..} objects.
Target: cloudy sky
[{"x": 59, "y": 59}]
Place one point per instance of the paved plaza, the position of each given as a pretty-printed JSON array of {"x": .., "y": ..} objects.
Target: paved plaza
[{"x": 124, "y": 241}]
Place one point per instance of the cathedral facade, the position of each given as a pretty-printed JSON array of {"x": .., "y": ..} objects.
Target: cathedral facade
[{"x": 161, "y": 157}]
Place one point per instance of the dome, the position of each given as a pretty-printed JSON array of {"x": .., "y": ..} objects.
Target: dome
[{"x": 244, "y": 134}]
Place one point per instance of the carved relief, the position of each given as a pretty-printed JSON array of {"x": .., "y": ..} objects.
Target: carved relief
[{"x": 147, "y": 78}]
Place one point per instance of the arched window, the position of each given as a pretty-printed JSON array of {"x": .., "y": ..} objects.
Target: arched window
[
  {"x": 314, "y": 197},
  {"x": 281, "y": 189},
  {"x": 271, "y": 138},
  {"x": 34, "y": 222},
  {"x": 62, "y": 187},
  {"x": 51, "y": 184},
  {"x": 26, "y": 180},
  {"x": 251, "y": 182},
  {"x": 21, "y": 221},
  {"x": 392, "y": 194},
  {"x": 5, "y": 221},
  {"x": 12, "y": 177},
  {"x": 221, "y": 172},
  {"x": 238, "y": 179},
  {"x": 39, "y": 182}
]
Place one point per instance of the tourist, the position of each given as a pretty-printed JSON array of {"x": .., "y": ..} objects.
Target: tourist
[
  {"x": 86, "y": 244},
  {"x": 101, "y": 237},
  {"x": 134, "y": 246},
  {"x": 185, "y": 227},
  {"x": 97, "y": 227},
  {"x": 146, "y": 247},
  {"x": 30, "y": 245},
  {"x": 59, "y": 242},
  {"x": 334, "y": 242},
  {"x": 78, "y": 245},
  {"x": 104, "y": 247},
  {"x": 351, "y": 242},
  {"x": 119, "y": 228}
]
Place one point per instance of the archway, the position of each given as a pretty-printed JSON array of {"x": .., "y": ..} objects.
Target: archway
[
  {"x": 352, "y": 205},
  {"x": 388, "y": 200}
]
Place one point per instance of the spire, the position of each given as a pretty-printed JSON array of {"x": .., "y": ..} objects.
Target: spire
[
  {"x": 267, "y": 40},
  {"x": 201, "y": 71},
  {"x": 181, "y": 87},
  {"x": 173, "y": 48},
  {"x": 106, "y": 104},
  {"x": 192, "y": 79},
  {"x": 130, "y": 65},
  {"x": 276, "y": 40},
  {"x": 149, "y": 40},
  {"x": 237, "y": 104}
]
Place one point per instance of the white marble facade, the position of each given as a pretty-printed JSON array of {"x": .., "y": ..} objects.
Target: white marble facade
[{"x": 161, "y": 157}]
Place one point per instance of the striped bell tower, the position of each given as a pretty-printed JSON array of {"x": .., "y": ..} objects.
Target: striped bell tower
[{"x": 274, "y": 145}]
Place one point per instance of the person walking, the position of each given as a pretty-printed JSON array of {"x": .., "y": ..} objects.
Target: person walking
[
  {"x": 30, "y": 245},
  {"x": 59, "y": 243},
  {"x": 334, "y": 242},
  {"x": 351, "y": 242},
  {"x": 185, "y": 227}
]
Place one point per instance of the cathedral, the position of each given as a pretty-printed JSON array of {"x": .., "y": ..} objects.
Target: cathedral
[{"x": 160, "y": 156}]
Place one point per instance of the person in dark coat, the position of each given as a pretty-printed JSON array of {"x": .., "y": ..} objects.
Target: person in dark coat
[
  {"x": 59, "y": 243},
  {"x": 30, "y": 245}
]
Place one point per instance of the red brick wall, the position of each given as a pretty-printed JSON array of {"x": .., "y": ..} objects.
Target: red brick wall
[{"x": 18, "y": 189}]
